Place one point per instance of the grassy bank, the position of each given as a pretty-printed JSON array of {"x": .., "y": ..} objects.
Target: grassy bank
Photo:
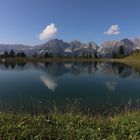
[
  {"x": 134, "y": 58},
  {"x": 26, "y": 60},
  {"x": 69, "y": 126}
]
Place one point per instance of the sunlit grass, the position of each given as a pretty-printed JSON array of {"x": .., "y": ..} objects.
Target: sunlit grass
[{"x": 70, "y": 126}]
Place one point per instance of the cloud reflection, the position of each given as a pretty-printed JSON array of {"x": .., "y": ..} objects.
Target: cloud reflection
[
  {"x": 49, "y": 82},
  {"x": 111, "y": 85}
]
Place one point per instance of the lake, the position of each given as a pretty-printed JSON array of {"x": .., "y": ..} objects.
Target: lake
[{"x": 35, "y": 87}]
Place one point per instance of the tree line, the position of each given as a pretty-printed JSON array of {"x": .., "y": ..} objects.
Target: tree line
[{"x": 12, "y": 54}]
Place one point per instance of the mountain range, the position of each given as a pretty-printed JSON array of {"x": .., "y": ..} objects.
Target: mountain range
[{"x": 75, "y": 48}]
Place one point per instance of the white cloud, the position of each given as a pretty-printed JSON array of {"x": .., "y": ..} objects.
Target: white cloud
[
  {"x": 49, "y": 82},
  {"x": 49, "y": 32},
  {"x": 113, "y": 30}
]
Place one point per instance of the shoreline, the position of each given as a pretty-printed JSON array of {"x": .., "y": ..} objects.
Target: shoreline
[{"x": 133, "y": 62}]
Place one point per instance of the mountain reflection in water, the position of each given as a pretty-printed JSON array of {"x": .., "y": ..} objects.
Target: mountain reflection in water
[{"x": 27, "y": 86}]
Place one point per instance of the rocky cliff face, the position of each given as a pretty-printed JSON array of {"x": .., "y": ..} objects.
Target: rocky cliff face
[
  {"x": 110, "y": 47},
  {"x": 137, "y": 43}
]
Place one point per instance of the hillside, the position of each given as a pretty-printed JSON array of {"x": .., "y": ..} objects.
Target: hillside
[{"x": 132, "y": 60}]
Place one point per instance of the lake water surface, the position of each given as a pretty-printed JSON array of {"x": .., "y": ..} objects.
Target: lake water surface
[{"x": 96, "y": 85}]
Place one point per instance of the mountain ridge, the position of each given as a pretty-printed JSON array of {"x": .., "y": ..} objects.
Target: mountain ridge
[{"x": 75, "y": 48}]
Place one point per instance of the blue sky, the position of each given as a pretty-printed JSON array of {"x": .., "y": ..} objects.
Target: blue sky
[{"x": 23, "y": 21}]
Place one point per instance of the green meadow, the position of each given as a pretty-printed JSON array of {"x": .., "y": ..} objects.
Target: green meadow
[{"x": 70, "y": 126}]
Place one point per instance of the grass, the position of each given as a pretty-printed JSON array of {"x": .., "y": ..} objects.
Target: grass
[
  {"x": 132, "y": 60},
  {"x": 70, "y": 126},
  {"x": 132, "y": 57}
]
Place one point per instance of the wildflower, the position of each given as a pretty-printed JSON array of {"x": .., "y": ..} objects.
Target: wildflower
[{"x": 99, "y": 128}]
